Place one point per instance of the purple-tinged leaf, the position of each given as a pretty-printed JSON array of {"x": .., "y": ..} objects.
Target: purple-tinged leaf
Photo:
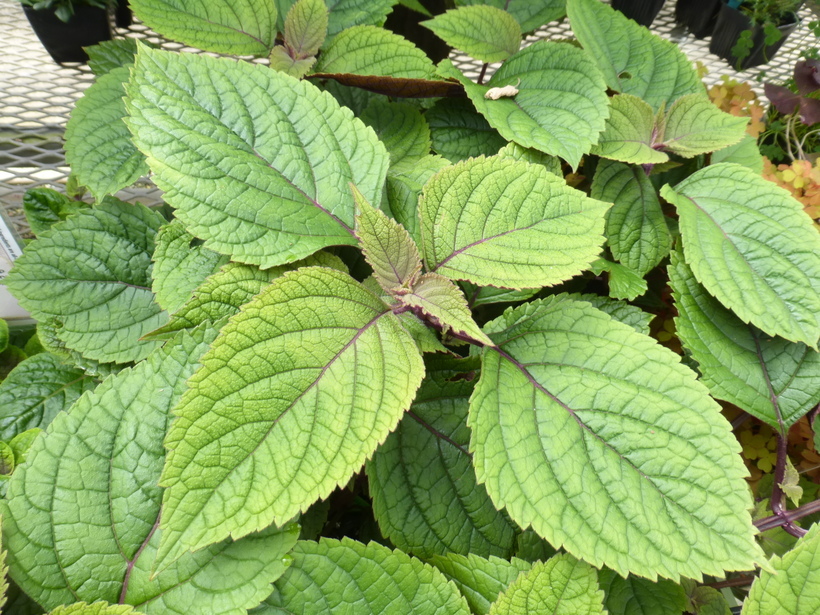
[
  {"x": 784, "y": 100},
  {"x": 806, "y": 76}
]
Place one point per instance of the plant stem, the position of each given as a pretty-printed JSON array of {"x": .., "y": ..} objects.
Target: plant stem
[
  {"x": 778, "y": 498},
  {"x": 483, "y": 71},
  {"x": 746, "y": 579},
  {"x": 789, "y": 516},
  {"x": 741, "y": 418}
]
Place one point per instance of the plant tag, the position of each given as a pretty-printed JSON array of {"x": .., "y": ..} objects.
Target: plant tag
[
  {"x": 10, "y": 249},
  {"x": 508, "y": 91}
]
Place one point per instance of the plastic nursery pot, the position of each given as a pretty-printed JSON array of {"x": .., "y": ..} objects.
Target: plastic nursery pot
[
  {"x": 699, "y": 16},
  {"x": 122, "y": 14},
  {"x": 642, "y": 11},
  {"x": 728, "y": 28},
  {"x": 64, "y": 41}
]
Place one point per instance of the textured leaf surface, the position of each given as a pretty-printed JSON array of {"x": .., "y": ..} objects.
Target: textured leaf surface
[
  {"x": 93, "y": 273},
  {"x": 345, "y": 14},
  {"x": 775, "y": 380},
  {"x": 401, "y": 128},
  {"x": 624, "y": 283},
  {"x": 484, "y": 32},
  {"x": 794, "y": 586},
  {"x": 708, "y": 601},
  {"x": 281, "y": 60},
  {"x": 404, "y": 185},
  {"x": 500, "y": 222},
  {"x": 306, "y": 27},
  {"x": 180, "y": 266},
  {"x": 95, "y": 608},
  {"x": 630, "y": 132},
  {"x": 422, "y": 482},
  {"x": 694, "y": 125},
  {"x": 346, "y": 576},
  {"x": 264, "y": 175},
  {"x": 527, "y": 154},
  {"x": 530, "y": 15},
  {"x": 632, "y": 59},
  {"x": 459, "y": 132},
  {"x": 237, "y": 27},
  {"x": 636, "y": 596},
  {"x": 561, "y": 105},
  {"x": 635, "y": 225},
  {"x": 752, "y": 246},
  {"x": 108, "y": 55},
  {"x": 744, "y": 152},
  {"x": 484, "y": 295},
  {"x": 98, "y": 145},
  {"x": 83, "y": 510},
  {"x": 258, "y": 440},
  {"x": 36, "y": 390},
  {"x": 45, "y": 207},
  {"x": 621, "y": 311},
  {"x": 368, "y": 50},
  {"x": 561, "y": 586},
  {"x": 605, "y": 444},
  {"x": 480, "y": 580}
]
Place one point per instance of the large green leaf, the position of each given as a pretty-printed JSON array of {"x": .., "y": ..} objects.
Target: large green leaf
[
  {"x": 745, "y": 152},
  {"x": 36, "y": 390},
  {"x": 621, "y": 311},
  {"x": 775, "y": 380},
  {"x": 401, "y": 128},
  {"x": 95, "y": 608},
  {"x": 332, "y": 576},
  {"x": 404, "y": 185},
  {"x": 527, "y": 154},
  {"x": 597, "y": 437},
  {"x": 629, "y": 135},
  {"x": 560, "y": 586},
  {"x": 348, "y": 13},
  {"x": 484, "y": 32},
  {"x": 93, "y": 274},
  {"x": 237, "y": 27},
  {"x": 368, "y": 50},
  {"x": 264, "y": 175},
  {"x": 108, "y": 55},
  {"x": 83, "y": 511},
  {"x": 529, "y": 14},
  {"x": 635, "y": 225},
  {"x": 500, "y": 222},
  {"x": 793, "y": 586},
  {"x": 632, "y": 59},
  {"x": 561, "y": 105},
  {"x": 694, "y": 125},
  {"x": 306, "y": 27},
  {"x": 459, "y": 132},
  {"x": 753, "y": 247},
  {"x": 636, "y": 596},
  {"x": 258, "y": 441},
  {"x": 422, "y": 482},
  {"x": 45, "y": 207}
]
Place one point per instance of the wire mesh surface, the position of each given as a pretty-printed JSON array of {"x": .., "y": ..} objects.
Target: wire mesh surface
[{"x": 37, "y": 96}]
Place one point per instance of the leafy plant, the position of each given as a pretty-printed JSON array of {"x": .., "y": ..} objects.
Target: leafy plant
[
  {"x": 365, "y": 317},
  {"x": 64, "y": 9}
]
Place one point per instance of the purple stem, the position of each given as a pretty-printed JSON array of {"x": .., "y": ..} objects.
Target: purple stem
[
  {"x": 481, "y": 74},
  {"x": 774, "y": 521},
  {"x": 778, "y": 497}
]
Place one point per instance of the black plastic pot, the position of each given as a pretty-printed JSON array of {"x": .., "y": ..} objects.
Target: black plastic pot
[
  {"x": 731, "y": 23},
  {"x": 699, "y": 16},
  {"x": 122, "y": 14},
  {"x": 64, "y": 41},
  {"x": 642, "y": 11}
]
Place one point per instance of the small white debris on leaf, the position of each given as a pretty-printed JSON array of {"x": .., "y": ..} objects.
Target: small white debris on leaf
[{"x": 508, "y": 91}]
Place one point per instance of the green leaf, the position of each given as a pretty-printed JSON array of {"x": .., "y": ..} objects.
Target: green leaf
[
  {"x": 4, "y": 335},
  {"x": 108, "y": 55},
  {"x": 36, "y": 390},
  {"x": 388, "y": 248},
  {"x": 4, "y": 584},
  {"x": 621, "y": 311},
  {"x": 83, "y": 509},
  {"x": 630, "y": 132},
  {"x": 598, "y": 438},
  {"x": 21, "y": 444},
  {"x": 530, "y": 15},
  {"x": 93, "y": 273},
  {"x": 345, "y": 576},
  {"x": 180, "y": 266},
  {"x": 96, "y": 608},
  {"x": 485, "y": 295},
  {"x": 624, "y": 283},
  {"x": 793, "y": 587},
  {"x": 533, "y": 156},
  {"x": 708, "y": 601},
  {"x": 694, "y": 125},
  {"x": 369, "y": 50},
  {"x": 345, "y": 14},
  {"x": 744, "y": 153},
  {"x": 486, "y": 33},
  {"x": 236, "y": 27},
  {"x": 258, "y": 442},
  {"x": 635, "y": 225},
  {"x": 6, "y": 460},
  {"x": 532, "y": 548},
  {"x": 753, "y": 247},
  {"x": 265, "y": 179},
  {"x": 632, "y": 59},
  {"x": 775, "y": 380},
  {"x": 500, "y": 222},
  {"x": 404, "y": 185},
  {"x": 306, "y": 27},
  {"x": 459, "y": 132},
  {"x": 47, "y": 331},
  {"x": 422, "y": 482},
  {"x": 45, "y": 207},
  {"x": 561, "y": 106},
  {"x": 480, "y": 580},
  {"x": 282, "y": 61},
  {"x": 401, "y": 128},
  {"x": 636, "y": 596},
  {"x": 561, "y": 586},
  {"x": 415, "y": 5}
]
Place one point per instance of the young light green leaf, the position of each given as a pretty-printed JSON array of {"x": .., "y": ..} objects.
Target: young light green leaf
[
  {"x": 793, "y": 587},
  {"x": 480, "y": 580},
  {"x": 83, "y": 510},
  {"x": 236, "y": 27},
  {"x": 404, "y": 185},
  {"x": 93, "y": 273},
  {"x": 533, "y": 156},
  {"x": 265, "y": 179},
  {"x": 422, "y": 482},
  {"x": 632, "y": 59},
  {"x": 624, "y": 283},
  {"x": 630, "y": 132},
  {"x": 332, "y": 576},
  {"x": 285, "y": 432},
  {"x": 95, "y": 608},
  {"x": 45, "y": 207},
  {"x": 635, "y": 225},
  {"x": 345, "y": 14},
  {"x": 530, "y": 15},
  {"x": 621, "y": 311},
  {"x": 486, "y": 33},
  {"x": 561, "y": 106},
  {"x": 368, "y": 50},
  {"x": 745, "y": 153},
  {"x": 694, "y": 125},
  {"x": 180, "y": 266},
  {"x": 388, "y": 248},
  {"x": 500, "y": 222},
  {"x": 561, "y": 586},
  {"x": 21, "y": 444},
  {"x": 598, "y": 438},
  {"x": 306, "y": 27},
  {"x": 459, "y": 132},
  {"x": 401, "y": 128},
  {"x": 751, "y": 245},
  {"x": 636, "y": 596},
  {"x": 108, "y": 55},
  {"x": 775, "y": 380},
  {"x": 36, "y": 390},
  {"x": 282, "y": 61}
]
